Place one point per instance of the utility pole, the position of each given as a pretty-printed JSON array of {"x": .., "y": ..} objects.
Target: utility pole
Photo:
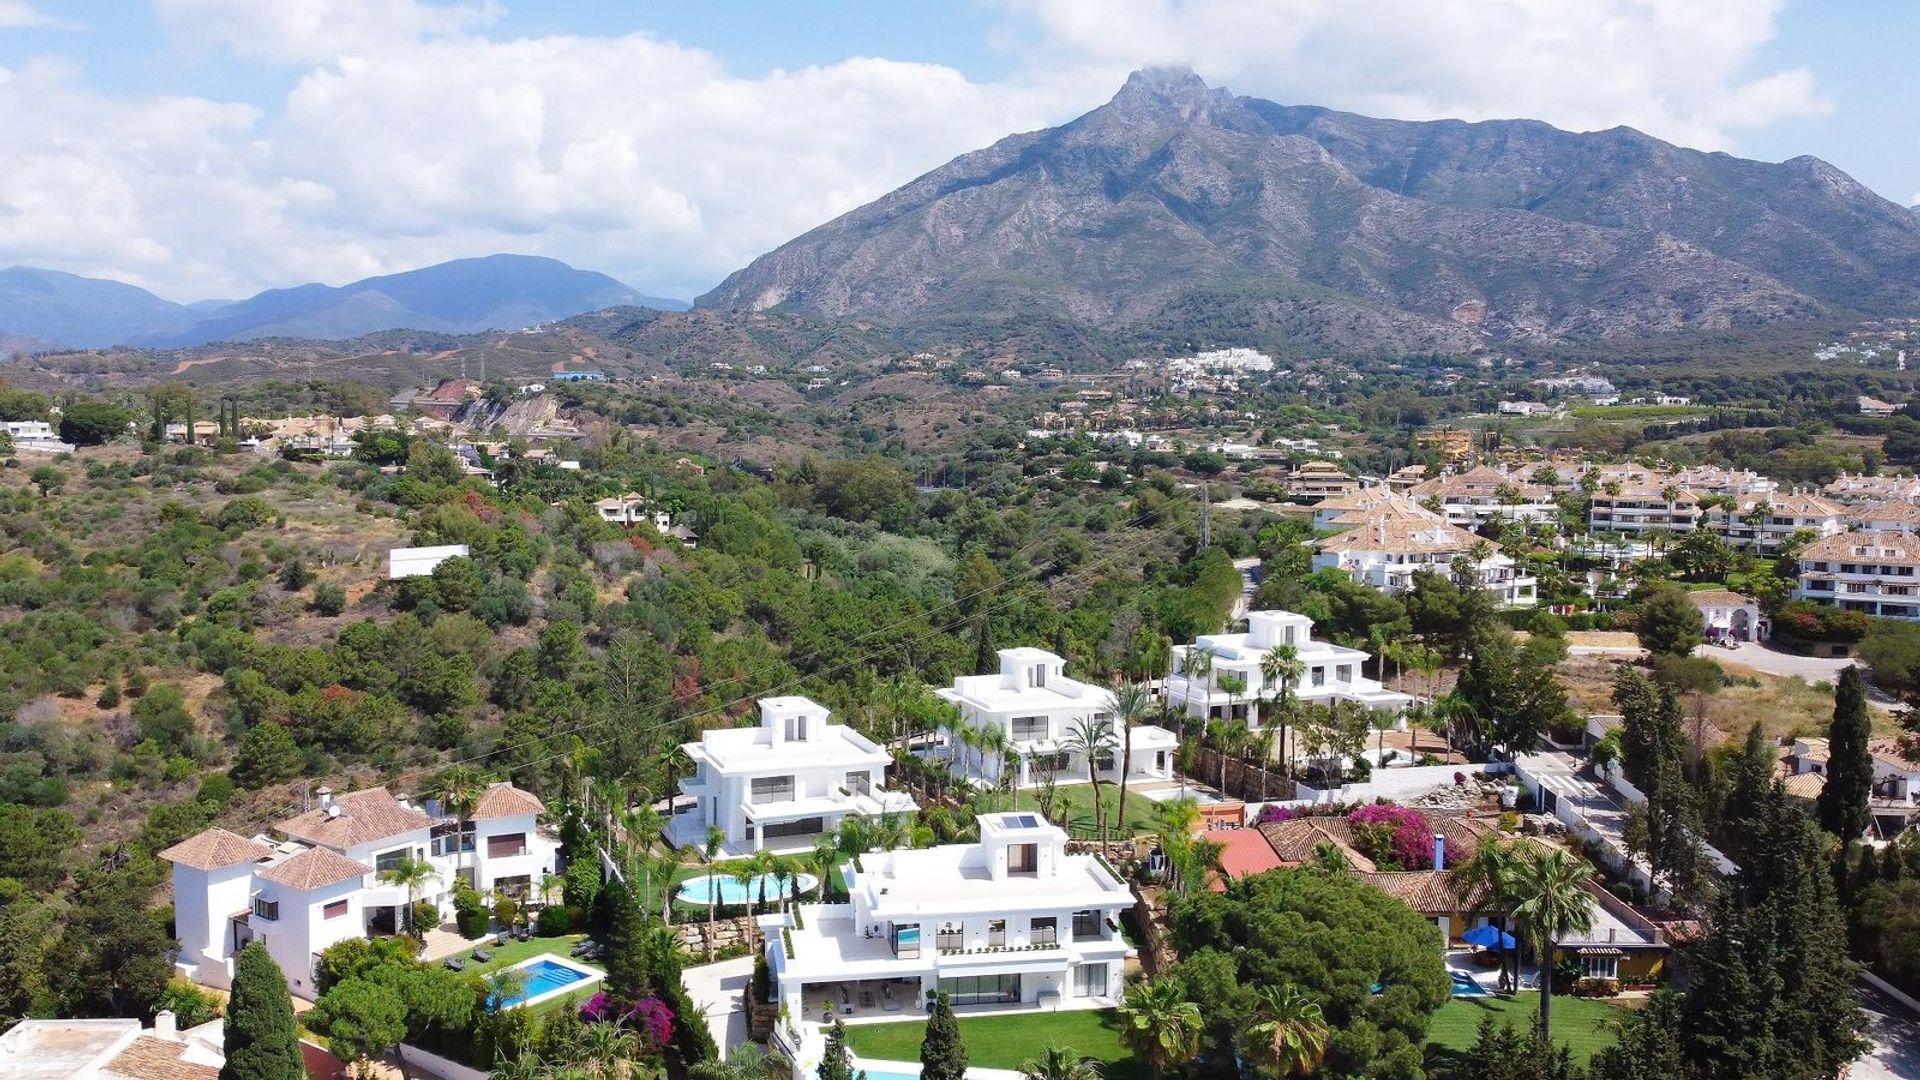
[{"x": 1206, "y": 515}]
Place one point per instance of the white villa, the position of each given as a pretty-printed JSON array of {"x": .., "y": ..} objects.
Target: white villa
[
  {"x": 784, "y": 782},
  {"x": 1332, "y": 672},
  {"x": 320, "y": 884},
  {"x": 1037, "y": 706},
  {"x": 1010, "y": 921},
  {"x": 1385, "y": 546}
]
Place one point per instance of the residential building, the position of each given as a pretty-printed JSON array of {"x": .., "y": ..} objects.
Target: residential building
[
  {"x": 1472, "y": 498},
  {"x": 1319, "y": 480},
  {"x": 1345, "y": 511},
  {"x": 784, "y": 781},
  {"x": 420, "y": 561},
  {"x": 1011, "y": 921},
  {"x": 1871, "y": 572},
  {"x": 113, "y": 1050},
  {"x": 1452, "y": 444},
  {"x": 1642, "y": 509},
  {"x": 1331, "y": 672},
  {"x": 1851, "y": 488},
  {"x": 34, "y": 436},
  {"x": 1766, "y": 521},
  {"x": 1714, "y": 480},
  {"x": 1385, "y": 547},
  {"x": 1893, "y": 804},
  {"x": 632, "y": 509},
  {"x": 1728, "y": 617},
  {"x": 1888, "y": 515},
  {"x": 1870, "y": 406},
  {"x": 317, "y": 882},
  {"x": 1038, "y": 707},
  {"x": 1525, "y": 408}
]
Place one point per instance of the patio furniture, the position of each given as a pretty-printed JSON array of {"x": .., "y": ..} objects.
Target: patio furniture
[
  {"x": 483, "y": 956},
  {"x": 523, "y": 933},
  {"x": 866, "y": 999},
  {"x": 454, "y": 964}
]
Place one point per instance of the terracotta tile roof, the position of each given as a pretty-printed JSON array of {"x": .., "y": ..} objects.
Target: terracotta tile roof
[
  {"x": 1796, "y": 504},
  {"x": 1483, "y": 481},
  {"x": 1896, "y": 511},
  {"x": 1891, "y": 753},
  {"x": 1806, "y": 785},
  {"x": 1718, "y": 598},
  {"x": 1874, "y": 547},
  {"x": 315, "y": 868},
  {"x": 505, "y": 800},
  {"x": 150, "y": 1058},
  {"x": 1400, "y": 530},
  {"x": 215, "y": 849},
  {"x": 364, "y": 817},
  {"x": 1422, "y": 890},
  {"x": 1243, "y": 853}
]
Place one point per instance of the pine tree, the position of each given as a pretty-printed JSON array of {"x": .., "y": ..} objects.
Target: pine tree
[
  {"x": 1750, "y": 778},
  {"x": 629, "y": 968},
  {"x": 836, "y": 1063},
  {"x": 1649, "y": 1046},
  {"x": 261, "y": 1041},
  {"x": 943, "y": 1054},
  {"x": 1843, "y": 802}
]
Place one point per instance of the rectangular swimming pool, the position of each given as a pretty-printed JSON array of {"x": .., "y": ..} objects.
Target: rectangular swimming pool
[{"x": 546, "y": 976}]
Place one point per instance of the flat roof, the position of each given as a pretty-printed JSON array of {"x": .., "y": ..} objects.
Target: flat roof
[{"x": 944, "y": 880}]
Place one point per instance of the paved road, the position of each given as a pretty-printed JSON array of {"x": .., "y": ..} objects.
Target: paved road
[
  {"x": 1763, "y": 658},
  {"x": 1247, "y": 587},
  {"x": 720, "y": 991},
  {"x": 1895, "y": 1054}
]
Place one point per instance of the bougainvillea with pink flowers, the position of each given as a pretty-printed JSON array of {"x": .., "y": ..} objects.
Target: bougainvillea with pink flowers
[
  {"x": 1393, "y": 836},
  {"x": 649, "y": 1017}
]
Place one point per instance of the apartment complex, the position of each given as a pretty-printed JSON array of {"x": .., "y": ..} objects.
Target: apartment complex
[
  {"x": 1870, "y": 572},
  {"x": 1386, "y": 546}
]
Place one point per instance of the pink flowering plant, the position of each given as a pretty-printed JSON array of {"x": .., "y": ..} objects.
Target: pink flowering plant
[{"x": 1394, "y": 837}]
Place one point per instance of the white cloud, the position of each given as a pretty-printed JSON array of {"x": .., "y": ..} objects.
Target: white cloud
[
  {"x": 21, "y": 15},
  {"x": 410, "y": 136}
]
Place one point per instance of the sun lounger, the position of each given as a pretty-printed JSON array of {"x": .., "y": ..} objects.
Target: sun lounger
[
  {"x": 483, "y": 956},
  {"x": 454, "y": 964}
]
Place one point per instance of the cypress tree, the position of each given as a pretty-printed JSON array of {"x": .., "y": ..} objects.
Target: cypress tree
[
  {"x": 1649, "y": 1046},
  {"x": 836, "y": 1063},
  {"x": 261, "y": 1041},
  {"x": 943, "y": 1054},
  {"x": 629, "y": 971},
  {"x": 1843, "y": 802}
]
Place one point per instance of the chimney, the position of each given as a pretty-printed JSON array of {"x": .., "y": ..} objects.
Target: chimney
[
  {"x": 163, "y": 1026},
  {"x": 326, "y": 797},
  {"x": 1439, "y": 851}
]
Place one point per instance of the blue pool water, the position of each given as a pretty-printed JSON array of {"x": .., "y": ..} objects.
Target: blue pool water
[
  {"x": 543, "y": 977},
  {"x": 1464, "y": 986},
  {"x": 726, "y": 890}
]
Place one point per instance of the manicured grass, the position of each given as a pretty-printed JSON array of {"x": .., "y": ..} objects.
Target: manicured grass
[
  {"x": 1582, "y": 1025},
  {"x": 1003, "y": 1042},
  {"x": 507, "y": 955},
  {"x": 1073, "y": 806}
]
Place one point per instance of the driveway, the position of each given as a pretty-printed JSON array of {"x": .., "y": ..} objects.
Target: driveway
[
  {"x": 1895, "y": 1050},
  {"x": 719, "y": 991},
  {"x": 1771, "y": 661}
]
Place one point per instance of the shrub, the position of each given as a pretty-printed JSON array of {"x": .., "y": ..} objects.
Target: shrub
[
  {"x": 470, "y": 912},
  {"x": 1394, "y": 837},
  {"x": 553, "y": 921},
  {"x": 329, "y": 599}
]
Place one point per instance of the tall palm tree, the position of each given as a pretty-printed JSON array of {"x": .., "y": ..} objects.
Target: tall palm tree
[
  {"x": 1282, "y": 666},
  {"x": 1159, "y": 1026},
  {"x": 822, "y": 860},
  {"x": 1484, "y": 885},
  {"x": 993, "y": 743},
  {"x": 1196, "y": 664},
  {"x": 1551, "y": 901},
  {"x": 1060, "y": 1063},
  {"x": 716, "y": 840},
  {"x": 460, "y": 789},
  {"x": 411, "y": 874},
  {"x": 1131, "y": 705},
  {"x": 1092, "y": 737},
  {"x": 1289, "y": 1031},
  {"x": 1382, "y": 722}
]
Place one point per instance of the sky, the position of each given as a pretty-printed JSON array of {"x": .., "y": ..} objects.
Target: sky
[{"x": 212, "y": 148}]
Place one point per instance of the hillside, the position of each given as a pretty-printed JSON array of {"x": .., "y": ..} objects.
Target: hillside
[
  {"x": 1178, "y": 211},
  {"x": 40, "y": 308}
]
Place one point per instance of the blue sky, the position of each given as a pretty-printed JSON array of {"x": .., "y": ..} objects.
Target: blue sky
[{"x": 215, "y": 147}]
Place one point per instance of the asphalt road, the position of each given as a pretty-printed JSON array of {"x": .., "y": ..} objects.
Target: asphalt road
[{"x": 1895, "y": 1035}]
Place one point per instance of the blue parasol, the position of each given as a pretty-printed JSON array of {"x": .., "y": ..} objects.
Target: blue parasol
[{"x": 1487, "y": 937}]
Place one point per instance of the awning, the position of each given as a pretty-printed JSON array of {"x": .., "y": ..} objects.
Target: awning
[{"x": 1601, "y": 950}]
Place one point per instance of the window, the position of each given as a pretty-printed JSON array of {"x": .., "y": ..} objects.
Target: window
[
  {"x": 1043, "y": 931},
  {"x": 506, "y": 845},
  {"x": 906, "y": 941},
  {"x": 767, "y": 789},
  {"x": 860, "y": 783},
  {"x": 391, "y": 860},
  {"x": 447, "y": 842},
  {"x": 1028, "y": 728},
  {"x": 996, "y": 932},
  {"x": 1090, "y": 980},
  {"x": 796, "y": 729},
  {"x": 334, "y": 910},
  {"x": 1289, "y": 635},
  {"x": 1023, "y": 859},
  {"x": 1319, "y": 676},
  {"x": 1600, "y": 967},
  {"x": 982, "y": 989},
  {"x": 1343, "y": 673},
  {"x": 266, "y": 909},
  {"x": 1088, "y": 926},
  {"x": 1039, "y": 675},
  {"x": 951, "y": 936}
]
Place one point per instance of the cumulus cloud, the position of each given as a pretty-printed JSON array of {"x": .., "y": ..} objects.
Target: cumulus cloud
[
  {"x": 413, "y": 132},
  {"x": 21, "y": 15}
]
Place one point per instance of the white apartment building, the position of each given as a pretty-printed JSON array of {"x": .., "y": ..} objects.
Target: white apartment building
[
  {"x": 1853, "y": 488},
  {"x": 1893, "y": 804},
  {"x": 1634, "y": 509},
  {"x": 1871, "y": 572},
  {"x": 1385, "y": 548},
  {"x": 1333, "y": 672},
  {"x": 783, "y": 782},
  {"x": 1767, "y": 521},
  {"x": 1010, "y": 921},
  {"x": 1714, "y": 480},
  {"x": 1470, "y": 499},
  {"x": 35, "y": 436},
  {"x": 319, "y": 884},
  {"x": 1038, "y": 706},
  {"x": 1889, "y": 515}
]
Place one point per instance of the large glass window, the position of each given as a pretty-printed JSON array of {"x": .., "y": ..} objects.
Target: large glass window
[
  {"x": 391, "y": 860},
  {"x": 1087, "y": 926},
  {"x": 1023, "y": 859},
  {"x": 1090, "y": 980},
  {"x": 1600, "y": 967},
  {"x": 996, "y": 932},
  {"x": 859, "y": 783},
  {"x": 982, "y": 989},
  {"x": 506, "y": 845},
  {"x": 1029, "y": 728},
  {"x": 768, "y": 789},
  {"x": 266, "y": 909}
]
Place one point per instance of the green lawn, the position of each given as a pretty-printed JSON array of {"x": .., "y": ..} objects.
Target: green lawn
[
  {"x": 1003, "y": 1042},
  {"x": 1073, "y": 806},
  {"x": 514, "y": 952},
  {"x": 1580, "y": 1024}
]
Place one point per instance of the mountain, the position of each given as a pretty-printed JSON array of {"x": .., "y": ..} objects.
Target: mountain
[
  {"x": 497, "y": 292},
  {"x": 1185, "y": 213},
  {"x": 52, "y": 308}
]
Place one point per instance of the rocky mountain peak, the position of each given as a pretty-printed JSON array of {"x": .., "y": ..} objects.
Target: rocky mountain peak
[{"x": 1168, "y": 90}]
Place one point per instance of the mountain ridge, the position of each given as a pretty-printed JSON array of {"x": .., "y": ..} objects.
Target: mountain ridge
[{"x": 1360, "y": 232}]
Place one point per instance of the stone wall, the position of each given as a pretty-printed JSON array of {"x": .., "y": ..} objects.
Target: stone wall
[{"x": 734, "y": 933}]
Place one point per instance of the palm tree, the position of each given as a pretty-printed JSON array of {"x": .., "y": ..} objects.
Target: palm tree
[
  {"x": 505, "y": 984},
  {"x": 744, "y": 1062},
  {"x": 1131, "y": 705},
  {"x": 1159, "y": 1026},
  {"x": 1283, "y": 667},
  {"x": 606, "y": 1046},
  {"x": 822, "y": 860},
  {"x": 1092, "y": 737},
  {"x": 1060, "y": 1063},
  {"x": 1289, "y": 1032},
  {"x": 411, "y": 874},
  {"x": 993, "y": 742},
  {"x": 1551, "y": 901},
  {"x": 1483, "y": 885},
  {"x": 1383, "y": 722},
  {"x": 711, "y": 854},
  {"x": 460, "y": 789}
]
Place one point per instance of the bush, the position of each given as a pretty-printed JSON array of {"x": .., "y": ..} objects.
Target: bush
[
  {"x": 329, "y": 599},
  {"x": 1394, "y": 837},
  {"x": 470, "y": 912},
  {"x": 553, "y": 921}
]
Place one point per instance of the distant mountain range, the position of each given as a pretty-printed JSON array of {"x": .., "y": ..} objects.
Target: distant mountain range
[
  {"x": 1185, "y": 212},
  {"x": 497, "y": 292}
]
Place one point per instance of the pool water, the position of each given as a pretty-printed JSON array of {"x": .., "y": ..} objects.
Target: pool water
[
  {"x": 726, "y": 890},
  {"x": 1465, "y": 986},
  {"x": 543, "y": 977}
]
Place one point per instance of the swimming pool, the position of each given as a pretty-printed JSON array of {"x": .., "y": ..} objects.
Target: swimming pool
[
  {"x": 1465, "y": 986},
  {"x": 547, "y": 975},
  {"x": 727, "y": 890}
]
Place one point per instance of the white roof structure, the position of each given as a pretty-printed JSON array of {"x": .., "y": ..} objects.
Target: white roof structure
[{"x": 420, "y": 561}]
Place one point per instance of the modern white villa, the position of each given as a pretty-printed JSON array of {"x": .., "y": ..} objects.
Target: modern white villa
[
  {"x": 780, "y": 784},
  {"x": 1330, "y": 673},
  {"x": 1010, "y": 921},
  {"x": 1038, "y": 707},
  {"x": 318, "y": 882}
]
